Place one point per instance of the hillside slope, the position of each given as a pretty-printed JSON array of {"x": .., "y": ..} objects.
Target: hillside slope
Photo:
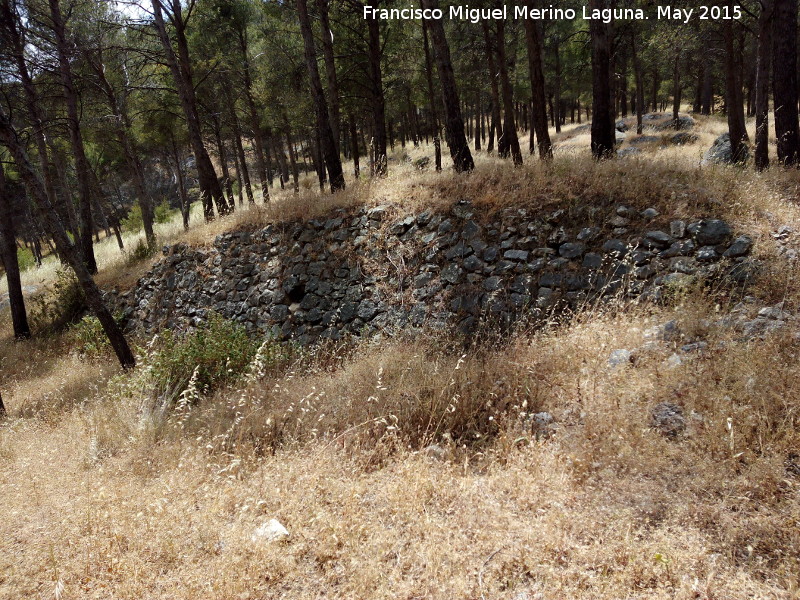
[{"x": 632, "y": 450}]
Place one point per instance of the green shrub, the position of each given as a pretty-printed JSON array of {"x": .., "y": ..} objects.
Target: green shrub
[
  {"x": 51, "y": 313},
  {"x": 220, "y": 350},
  {"x": 25, "y": 259},
  {"x": 133, "y": 222},
  {"x": 89, "y": 337},
  {"x": 163, "y": 212},
  {"x": 141, "y": 251}
]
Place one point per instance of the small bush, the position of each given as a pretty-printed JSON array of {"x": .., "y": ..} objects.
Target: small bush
[
  {"x": 25, "y": 259},
  {"x": 89, "y": 337},
  {"x": 52, "y": 313},
  {"x": 134, "y": 221},
  {"x": 163, "y": 212},
  {"x": 220, "y": 350},
  {"x": 142, "y": 251}
]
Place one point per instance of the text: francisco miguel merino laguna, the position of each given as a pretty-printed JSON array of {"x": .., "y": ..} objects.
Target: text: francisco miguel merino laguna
[{"x": 607, "y": 15}]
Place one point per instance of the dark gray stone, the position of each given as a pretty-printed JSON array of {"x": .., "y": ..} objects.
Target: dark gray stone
[{"x": 572, "y": 249}]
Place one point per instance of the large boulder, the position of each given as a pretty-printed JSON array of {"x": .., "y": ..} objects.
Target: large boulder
[
  {"x": 684, "y": 122},
  {"x": 720, "y": 152}
]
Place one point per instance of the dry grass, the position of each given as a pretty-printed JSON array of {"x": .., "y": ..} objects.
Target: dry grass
[
  {"x": 607, "y": 508},
  {"x": 105, "y": 500}
]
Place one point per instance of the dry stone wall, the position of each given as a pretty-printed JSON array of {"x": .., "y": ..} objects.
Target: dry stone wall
[{"x": 361, "y": 271}]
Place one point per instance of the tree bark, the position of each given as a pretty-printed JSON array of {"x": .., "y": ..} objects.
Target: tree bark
[
  {"x": 509, "y": 143},
  {"x": 8, "y": 256},
  {"x": 734, "y": 107},
  {"x": 329, "y": 150},
  {"x": 494, "y": 126},
  {"x": 255, "y": 121},
  {"x": 437, "y": 129},
  {"x": 180, "y": 67},
  {"x": 533, "y": 39},
  {"x": 70, "y": 96},
  {"x": 637, "y": 70},
  {"x": 454, "y": 123},
  {"x": 784, "y": 80},
  {"x": 676, "y": 90},
  {"x": 323, "y": 7},
  {"x": 354, "y": 147},
  {"x": 378, "y": 103},
  {"x": 708, "y": 86},
  {"x": 761, "y": 153},
  {"x": 603, "y": 135},
  {"x": 66, "y": 249}
]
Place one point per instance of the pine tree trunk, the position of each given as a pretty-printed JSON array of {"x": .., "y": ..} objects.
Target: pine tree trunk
[
  {"x": 454, "y": 123},
  {"x": 292, "y": 159},
  {"x": 354, "y": 147},
  {"x": 509, "y": 143},
  {"x": 603, "y": 135},
  {"x": 255, "y": 122},
  {"x": 55, "y": 228},
  {"x": 9, "y": 259},
  {"x": 328, "y": 148},
  {"x": 533, "y": 39},
  {"x": 733, "y": 107},
  {"x": 784, "y": 80},
  {"x": 323, "y": 7},
  {"x": 70, "y": 95},
  {"x": 637, "y": 70},
  {"x": 237, "y": 139},
  {"x": 762, "y": 85},
  {"x": 437, "y": 130},
  {"x": 378, "y": 103},
  {"x": 676, "y": 91},
  {"x": 494, "y": 127},
  {"x": 180, "y": 67}
]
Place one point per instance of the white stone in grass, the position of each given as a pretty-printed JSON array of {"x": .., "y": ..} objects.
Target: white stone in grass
[
  {"x": 271, "y": 531},
  {"x": 619, "y": 358}
]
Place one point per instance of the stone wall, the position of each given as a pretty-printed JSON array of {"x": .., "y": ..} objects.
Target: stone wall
[{"x": 365, "y": 270}]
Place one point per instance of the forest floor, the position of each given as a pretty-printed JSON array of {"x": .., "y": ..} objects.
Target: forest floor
[{"x": 100, "y": 502}]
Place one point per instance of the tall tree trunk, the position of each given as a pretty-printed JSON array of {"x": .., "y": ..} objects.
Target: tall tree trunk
[
  {"x": 637, "y": 70},
  {"x": 762, "y": 85},
  {"x": 784, "y": 80},
  {"x": 533, "y": 40},
  {"x": 255, "y": 121},
  {"x": 494, "y": 127},
  {"x": 118, "y": 108},
  {"x": 180, "y": 67},
  {"x": 509, "y": 143},
  {"x": 656, "y": 85},
  {"x": 676, "y": 90},
  {"x": 478, "y": 114},
  {"x": 698, "y": 91},
  {"x": 329, "y": 150},
  {"x": 557, "y": 87},
  {"x": 70, "y": 95},
  {"x": 354, "y": 147},
  {"x": 378, "y": 104},
  {"x": 8, "y": 256},
  {"x": 284, "y": 166},
  {"x": 323, "y": 7},
  {"x": 733, "y": 104},
  {"x": 182, "y": 195},
  {"x": 66, "y": 249},
  {"x": 437, "y": 130},
  {"x": 454, "y": 123},
  {"x": 223, "y": 161},
  {"x": 237, "y": 138},
  {"x": 292, "y": 159},
  {"x": 708, "y": 86},
  {"x": 603, "y": 133}
]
